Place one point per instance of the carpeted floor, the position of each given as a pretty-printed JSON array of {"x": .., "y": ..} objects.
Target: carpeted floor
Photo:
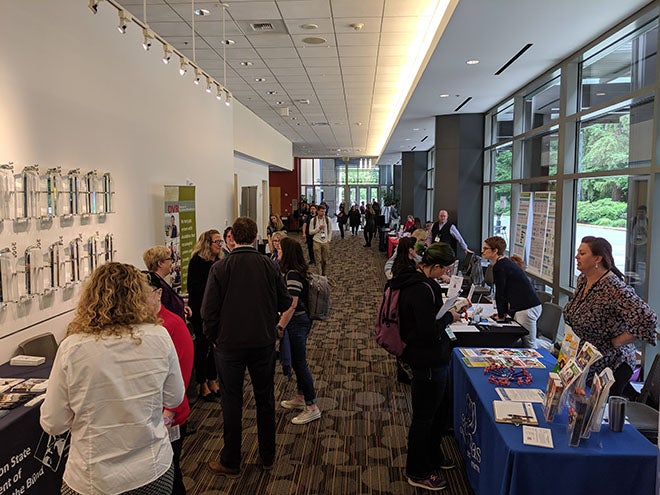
[{"x": 359, "y": 444}]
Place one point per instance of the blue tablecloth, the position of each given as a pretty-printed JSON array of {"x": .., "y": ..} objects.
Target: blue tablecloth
[
  {"x": 498, "y": 462},
  {"x": 31, "y": 461}
]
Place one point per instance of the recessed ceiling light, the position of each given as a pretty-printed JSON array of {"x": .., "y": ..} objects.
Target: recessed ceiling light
[
  {"x": 600, "y": 93},
  {"x": 246, "y": 63},
  {"x": 260, "y": 79},
  {"x": 309, "y": 26},
  {"x": 299, "y": 123},
  {"x": 202, "y": 12},
  {"x": 358, "y": 124},
  {"x": 272, "y": 92},
  {"x": 407, "y": 139},
  {"x": 472, "y": 62},
  {"x": 554, "y": 109},
  {"x": 416, "y": 129},
  {"x": 314, "y": 40},
  {"x": 228, "y": 42},
  {"x": 279, "y": 103},
  {"x": 444, "y": 95},
  {"x": 293, "y": 118}
]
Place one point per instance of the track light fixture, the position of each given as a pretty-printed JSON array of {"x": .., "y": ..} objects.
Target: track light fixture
[
  {"x": 218, "y": 95},
  {"x": 208, "y": 84},
  {"x": 148, "y": 36},
  {"x": 124, "y": 19},
  {"x": 183, "y": 67},
  {"x": 197, "y": 76},
  {"x": 227, "y": 98},
  {"x": 167, "y": 53},
  {"x": 94, "y": 6}
]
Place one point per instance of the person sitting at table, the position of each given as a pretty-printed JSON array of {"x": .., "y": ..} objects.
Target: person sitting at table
[
  {"x": 514, "y": 294},
  {"x": 607, "y": 312},
  {"x": 427, "y": 352},
  {"x": 410, "y": 220},
  {"x": 112, "y": 376},
  {"x": 416, "y": 225}
]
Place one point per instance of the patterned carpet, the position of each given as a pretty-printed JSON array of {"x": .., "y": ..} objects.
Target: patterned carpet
[{"x": 359, "y": 444}]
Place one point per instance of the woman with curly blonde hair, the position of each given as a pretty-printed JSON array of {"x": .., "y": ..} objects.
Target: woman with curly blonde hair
[{"x": 113, "y": 374}]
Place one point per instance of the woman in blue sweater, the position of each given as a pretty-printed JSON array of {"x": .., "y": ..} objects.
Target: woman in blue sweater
[{"x": 514, "y": 294}]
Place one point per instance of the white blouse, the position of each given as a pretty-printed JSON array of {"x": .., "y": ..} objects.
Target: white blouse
[{"x": 110, "y": 393}]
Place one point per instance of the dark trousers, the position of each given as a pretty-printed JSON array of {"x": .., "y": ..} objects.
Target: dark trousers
[
  {"x": 310, "y": 247},
  {"x": 231, "y": 364},
  {"x": 341, "y": 229},
  {"x": 204, "y": 360},
  {"x": 179, "y": 488},
  {"x": 298, "y": 329},
  {"x": 430, "y": 417},
  {"x": 354, "y": 229},
  {"x": 368, "y": 236}
]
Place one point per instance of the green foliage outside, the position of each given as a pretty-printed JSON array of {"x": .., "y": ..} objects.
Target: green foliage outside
[{"x": 601, "y": 201}]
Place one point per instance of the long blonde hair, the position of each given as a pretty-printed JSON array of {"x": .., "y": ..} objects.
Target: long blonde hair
[
  {"x": 112, "y": 302},
  {"x": 203, "y": 246}
]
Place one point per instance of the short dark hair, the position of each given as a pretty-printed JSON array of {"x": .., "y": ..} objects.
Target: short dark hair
[
  {"x": 226, "y": 233},
  {"x": 497, "y": 243},
  {"x": 244, "y": 230}
]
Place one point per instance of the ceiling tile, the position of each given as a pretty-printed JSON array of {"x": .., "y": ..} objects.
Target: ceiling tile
[
  {"x": 393, "y": 51},
  {"x": 354, "y": 51},
  {"x": 358, "y": 70},
  {"x": 234, "y": 53},
  {"x": 361, "y": 39},
  {"x": 258, "y": 11},
  {"x": 271, "y": 41},
  {"x": 371, "y": 24},
  {"x": 184, "y": 10},
  {"x": 316, "y": 52},
  {"x": 294, "y": 26},
  {"x": 300, "y": 44},
  {"x": 271, "y": 53},
  {"x": 357, "y": 61},
  {"x": 303, "y": 9},
  {"x": 283, "y": 63},
  {"x": 400, "y": 24},
  {"x": 397, "y": 8},
  {"x": 167, "y": 29},
  {"x": 289, "y": 71},
  {"x": 398, "y": 39},
  {"x": 357, "y": 9}
]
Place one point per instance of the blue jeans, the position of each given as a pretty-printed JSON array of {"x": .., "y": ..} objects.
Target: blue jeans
[
  {"x": 430, "y": 409},
  {"x": 298, "y": 329},
  {"x": 231, "y": 364}
]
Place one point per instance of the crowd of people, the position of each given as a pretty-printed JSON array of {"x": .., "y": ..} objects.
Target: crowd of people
[{"x": 119, "y": 378}]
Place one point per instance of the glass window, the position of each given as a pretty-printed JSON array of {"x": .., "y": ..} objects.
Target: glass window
[
  {"x": 540, "y": 155},
  {"x": 501, "y": 208},
  {"x": 624, "y": 66},
  {"x": 306, "y": 171},
  {"x": 618, "y": 139},
  {"x": 615, "y": 208},
  {"x": 502, "y": 123},
  {"x": 542, "y": 106},
  {"x": 502, "y": 163}
]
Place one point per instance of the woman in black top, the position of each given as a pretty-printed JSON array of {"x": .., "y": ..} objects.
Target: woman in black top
[
  {"x": 309, "y": 239},
  {"x": 354, "y": 218},
  {"x": 514, "y": 294},
  {"x": 206, "y": 252},
  {"x": 369, "y": 226},
  {"x": 342, "y": 217},
  {"x": 427, "y": 352},
  {"x": 298, "y": 324}
]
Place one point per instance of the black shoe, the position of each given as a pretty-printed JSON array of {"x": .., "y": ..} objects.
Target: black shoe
[{"x": 210, "y": 397}]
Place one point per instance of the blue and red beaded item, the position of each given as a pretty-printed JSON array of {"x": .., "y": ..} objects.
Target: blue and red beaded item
[{"x": 503, "y": 376}]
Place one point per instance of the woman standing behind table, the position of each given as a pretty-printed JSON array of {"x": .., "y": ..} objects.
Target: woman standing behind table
[
  {"x": 514, "y": 294},
  {"x": 113, "y": 374},
  {"x": 207, "y": 251},
  {"x": 298, "y": 324},
  {"x": 607, "y": 312},
  {"x": 427, "y": 352}
]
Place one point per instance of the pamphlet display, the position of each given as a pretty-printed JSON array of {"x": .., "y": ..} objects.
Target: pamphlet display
[
  {"x": 523, "y": 225},
  {"x": 516, "y": 358}
]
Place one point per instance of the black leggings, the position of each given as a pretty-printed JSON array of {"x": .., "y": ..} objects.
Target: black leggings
[{"x": 368, "y": 236}]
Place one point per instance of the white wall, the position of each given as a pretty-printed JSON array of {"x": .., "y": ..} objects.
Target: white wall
[
  {"x": 76, "y": 93},
  {"x": 252, "y": 173},
  {"x": 255, "y": 138}
]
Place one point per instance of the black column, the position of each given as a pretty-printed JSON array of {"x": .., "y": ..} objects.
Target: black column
[
  {"x": 413, "y": 184},
  {"x": 459, "y": 143}
]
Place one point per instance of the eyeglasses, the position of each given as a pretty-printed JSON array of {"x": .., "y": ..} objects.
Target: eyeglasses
[
  {"x": 219, "y": 242},
  {"x": 486, "y": 248},
  {"x": 171, "y": 258}
]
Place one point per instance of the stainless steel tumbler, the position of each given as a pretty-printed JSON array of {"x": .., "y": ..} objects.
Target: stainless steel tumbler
[{"x": 617, "y": 413}]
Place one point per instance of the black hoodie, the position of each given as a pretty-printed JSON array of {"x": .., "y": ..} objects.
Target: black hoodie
[{"x": 427, "y": 343}]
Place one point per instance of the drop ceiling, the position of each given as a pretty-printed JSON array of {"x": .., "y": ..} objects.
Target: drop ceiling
[{"x": 339, "y": 93}]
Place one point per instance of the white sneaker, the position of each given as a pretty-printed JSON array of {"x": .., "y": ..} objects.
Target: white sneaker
[
  {"x": 307, "y": 416},
  {"x": 294, "y": 403}
]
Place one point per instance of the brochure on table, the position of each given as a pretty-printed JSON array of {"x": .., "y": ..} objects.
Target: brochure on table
[{"x": 517, "y": 358}]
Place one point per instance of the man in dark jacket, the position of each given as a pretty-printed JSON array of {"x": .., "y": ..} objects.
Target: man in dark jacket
[
  {"x": 445, "y": 231},
  {"x": 243, "y": 296}
]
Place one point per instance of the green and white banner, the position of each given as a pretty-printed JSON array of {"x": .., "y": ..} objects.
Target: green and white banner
[{"x": 180, "y": 231}]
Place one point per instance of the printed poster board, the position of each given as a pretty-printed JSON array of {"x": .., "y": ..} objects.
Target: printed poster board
[{"x": 180, "y": 231}]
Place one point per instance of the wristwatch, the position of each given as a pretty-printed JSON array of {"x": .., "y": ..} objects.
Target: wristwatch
[{"x": 279, "y": 328}]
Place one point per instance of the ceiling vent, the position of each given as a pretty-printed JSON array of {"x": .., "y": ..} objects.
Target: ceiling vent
[
  {"x": 303, "y": 101},
  {"x": 263, "y": 26}
]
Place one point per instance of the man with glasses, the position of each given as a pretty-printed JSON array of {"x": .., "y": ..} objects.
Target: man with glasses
[{"x": 321, "y": 230}]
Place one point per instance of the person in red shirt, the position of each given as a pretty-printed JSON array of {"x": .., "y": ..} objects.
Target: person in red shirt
[{"x": 176, "y": 419}]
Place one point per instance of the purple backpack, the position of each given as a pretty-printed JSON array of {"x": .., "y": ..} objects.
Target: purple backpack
[{"x": 387, "y": 324}]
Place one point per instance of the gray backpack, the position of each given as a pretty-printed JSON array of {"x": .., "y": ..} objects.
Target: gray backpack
[{"x": 318, "y": 300}]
